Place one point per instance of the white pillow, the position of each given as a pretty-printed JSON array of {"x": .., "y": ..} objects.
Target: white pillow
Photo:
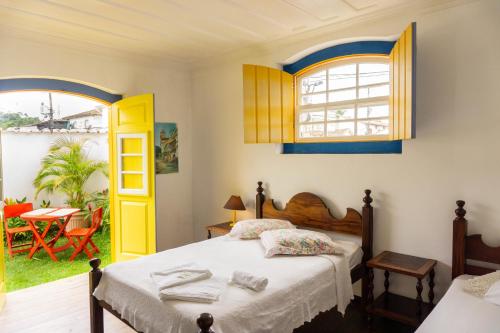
[
  {"x": 297, "y": 242},
  {"x": 493, "y": 294},
  {"x": 251, "y": 229},
  {"x": 479, "y": 285}
]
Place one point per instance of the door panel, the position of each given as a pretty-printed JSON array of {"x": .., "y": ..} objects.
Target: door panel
[{"x": 132, "y": 178}]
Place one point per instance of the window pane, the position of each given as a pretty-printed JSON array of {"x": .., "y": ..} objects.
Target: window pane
[
  {"x": 313, "y": 99},
  {"x": 314, "y": 83},
  {"x": 342, "y": 77},
  {"x": 312, "y": 131},
  {"x": 373, "y": 111},
  {"x": 375, "y": 91},
  {"x": 340, "y": 129},
  {"x": 373, "y": 127},
  {"x": 342, "y": 95},
  {"x": 312, "y": 116},
  {"x": 373, "y": 73},
  {"x": 340, "y": 113}
]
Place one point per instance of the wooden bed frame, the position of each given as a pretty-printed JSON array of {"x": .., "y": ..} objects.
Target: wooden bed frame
[
  {"x": 305, "y": 210},
  {"x": 470, "y": 247}
]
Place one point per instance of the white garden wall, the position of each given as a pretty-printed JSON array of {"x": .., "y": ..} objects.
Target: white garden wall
[{"x": 21, "y": 157}]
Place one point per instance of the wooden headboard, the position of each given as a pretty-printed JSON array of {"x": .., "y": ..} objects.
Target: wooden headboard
[
  {"x": 308, "y": 210},
  {"x": 470, "y": 247}
]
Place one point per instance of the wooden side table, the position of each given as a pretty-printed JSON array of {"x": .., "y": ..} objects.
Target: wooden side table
[
  {"x": 218, "y": 229},
  {"x": 403, "y": 309}
]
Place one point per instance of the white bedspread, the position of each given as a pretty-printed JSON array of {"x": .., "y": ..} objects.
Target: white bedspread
[
  {"x": 299, "y": 288},
  {"x": 460, "y": 312}
]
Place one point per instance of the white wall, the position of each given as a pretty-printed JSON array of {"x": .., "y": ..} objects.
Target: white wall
[
  {"x": 22, "y": 154},
  {"x": 170, "y": 82},
  {"x": 455, "y": 155}
]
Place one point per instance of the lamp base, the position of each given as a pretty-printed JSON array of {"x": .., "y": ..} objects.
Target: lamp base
[{"x": 233, "y": 221}]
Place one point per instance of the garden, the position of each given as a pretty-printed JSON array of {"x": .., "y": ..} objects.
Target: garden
[{"x": 64, "y": 171}]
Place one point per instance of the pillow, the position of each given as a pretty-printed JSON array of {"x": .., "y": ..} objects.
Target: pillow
[
  {"x": 493, "y": 294},
  {"x": 478, "y": 286},
  {"x": 250, "y": 229},
  {"x": 297, "y": 242}
]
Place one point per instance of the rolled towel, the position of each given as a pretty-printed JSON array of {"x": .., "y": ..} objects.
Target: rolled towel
[
  {"x": 248, "y": 280},
  {"x": 179, "y": 275}
]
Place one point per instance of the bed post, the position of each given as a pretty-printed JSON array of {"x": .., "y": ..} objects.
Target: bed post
[
  {"x": 205, "y": 321},
  {"x": 96, "y": 315},
  {"x": 367, "y": 240},
  {"x": 259, "y": 201},
  {"x": 459, "y": 235}
]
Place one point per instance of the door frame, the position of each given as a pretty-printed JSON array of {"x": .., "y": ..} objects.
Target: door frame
[{"x": 14, "y": 84}]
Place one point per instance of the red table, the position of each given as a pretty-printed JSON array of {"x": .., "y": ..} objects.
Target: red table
[{"x": 61, "y": 217}]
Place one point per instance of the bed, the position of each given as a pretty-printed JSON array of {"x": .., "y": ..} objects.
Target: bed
[
  {"x": 293, "y": 298},
  {"x": 469, "y": 314}
]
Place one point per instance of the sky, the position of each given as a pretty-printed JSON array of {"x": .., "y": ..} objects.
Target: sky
[{"x": 30, "y": 102}]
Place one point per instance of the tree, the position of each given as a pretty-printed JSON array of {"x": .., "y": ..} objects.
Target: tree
[
  {"x": 16, "y": 119},
  {"x": 66, "y": 169}
]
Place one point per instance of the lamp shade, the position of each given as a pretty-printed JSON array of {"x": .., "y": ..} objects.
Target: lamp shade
[{"x": 234, "y": 203}]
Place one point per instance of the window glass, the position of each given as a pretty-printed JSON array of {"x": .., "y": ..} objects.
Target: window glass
[
  {"x": 312, "y": 116},
  {"x": 342, "y": 77},
  {"x": 345, "y": 98},
  {"x": 314, "y": 83},
  {"x": 340, "y": 113}
]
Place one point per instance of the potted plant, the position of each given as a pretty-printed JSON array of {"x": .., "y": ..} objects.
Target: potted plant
[{"x": 66, "y": 169}]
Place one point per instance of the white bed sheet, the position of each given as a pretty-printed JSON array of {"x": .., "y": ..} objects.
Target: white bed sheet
[
  {"x": 461, "y": 312},
  {"x": 299, "y": 288}
]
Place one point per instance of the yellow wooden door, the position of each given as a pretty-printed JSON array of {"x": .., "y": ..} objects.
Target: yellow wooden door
[
  {"x": 2, "y": 269},
  {"x": 131, "y": 142}
]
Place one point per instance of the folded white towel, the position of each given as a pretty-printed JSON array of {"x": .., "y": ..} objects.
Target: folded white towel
[
  {"x": 201, "y": 292},
  {"x": 179, "y": 275},
  {"x": 248, "y": 280}
]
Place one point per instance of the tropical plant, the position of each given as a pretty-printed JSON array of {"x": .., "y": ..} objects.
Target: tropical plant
[
  {"x": 66, "y": 169},
  {"x": 45, "y": 204},
  {"x": 100, "y": 200}
]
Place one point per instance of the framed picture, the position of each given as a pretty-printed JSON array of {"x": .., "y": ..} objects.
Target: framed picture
[{"x": 166, "y": 148}]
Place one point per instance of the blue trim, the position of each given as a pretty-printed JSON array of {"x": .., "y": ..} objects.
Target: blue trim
[
  {"x": 57, "y": 85},
  {"x": 378, "y": 47},
  {"x": 368, "y": 147}
]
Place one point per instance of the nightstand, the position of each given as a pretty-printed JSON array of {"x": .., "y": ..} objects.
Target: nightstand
[
  {"x": 218, "y": 229},
  {"x": 403, "y": 309}
]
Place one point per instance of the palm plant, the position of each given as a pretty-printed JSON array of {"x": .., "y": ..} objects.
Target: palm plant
[{"x": 66, "y": 169}]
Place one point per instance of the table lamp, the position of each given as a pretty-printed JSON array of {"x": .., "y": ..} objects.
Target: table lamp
[{"x": 234, "y": 203}]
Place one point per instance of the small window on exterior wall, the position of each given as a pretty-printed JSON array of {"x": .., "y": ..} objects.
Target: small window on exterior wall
[{"x": 344, "y": 100}]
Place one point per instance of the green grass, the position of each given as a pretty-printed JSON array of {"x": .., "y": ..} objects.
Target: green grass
[{"x": 23, "y": 272}]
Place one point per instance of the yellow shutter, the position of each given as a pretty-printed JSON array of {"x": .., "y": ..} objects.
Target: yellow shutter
[
  {"x": 2, "y": 269},
  {"x": 403, "y": 97},
  {"x": 268, "y": 105},
  {"x": 131, "y": 130}
]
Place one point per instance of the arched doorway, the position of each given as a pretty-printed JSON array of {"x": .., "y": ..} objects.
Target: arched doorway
[{"x": 61, "y": 87}]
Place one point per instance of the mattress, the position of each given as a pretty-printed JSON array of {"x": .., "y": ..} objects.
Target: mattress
[
  {"x": 299, "y": 288},
  {"x": 461, "y": 312}
]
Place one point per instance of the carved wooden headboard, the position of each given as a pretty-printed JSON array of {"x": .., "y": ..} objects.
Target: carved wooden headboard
[
  {"x": 308, "y": 210},
  {"x": 470, "y": 247}
]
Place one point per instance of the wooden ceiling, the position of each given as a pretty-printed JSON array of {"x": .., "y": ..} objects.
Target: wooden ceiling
[{"x": 181, "y": 30}]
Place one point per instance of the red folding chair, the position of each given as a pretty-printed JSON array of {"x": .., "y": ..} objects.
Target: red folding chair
[
  {"x": 11, "y": 211},
  {"x": 81, "y": 237}
]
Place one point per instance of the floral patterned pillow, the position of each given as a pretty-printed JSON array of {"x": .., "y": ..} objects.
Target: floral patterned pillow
[
  {"x": 251, "y": 229},
  {"x": 479, "y": 285},
  {"x": 298, "y": 242}
]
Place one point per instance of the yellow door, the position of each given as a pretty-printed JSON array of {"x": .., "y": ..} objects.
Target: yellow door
[
  {"x": 2, "y": 269},
  {"x": 131, "y": 129}
]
